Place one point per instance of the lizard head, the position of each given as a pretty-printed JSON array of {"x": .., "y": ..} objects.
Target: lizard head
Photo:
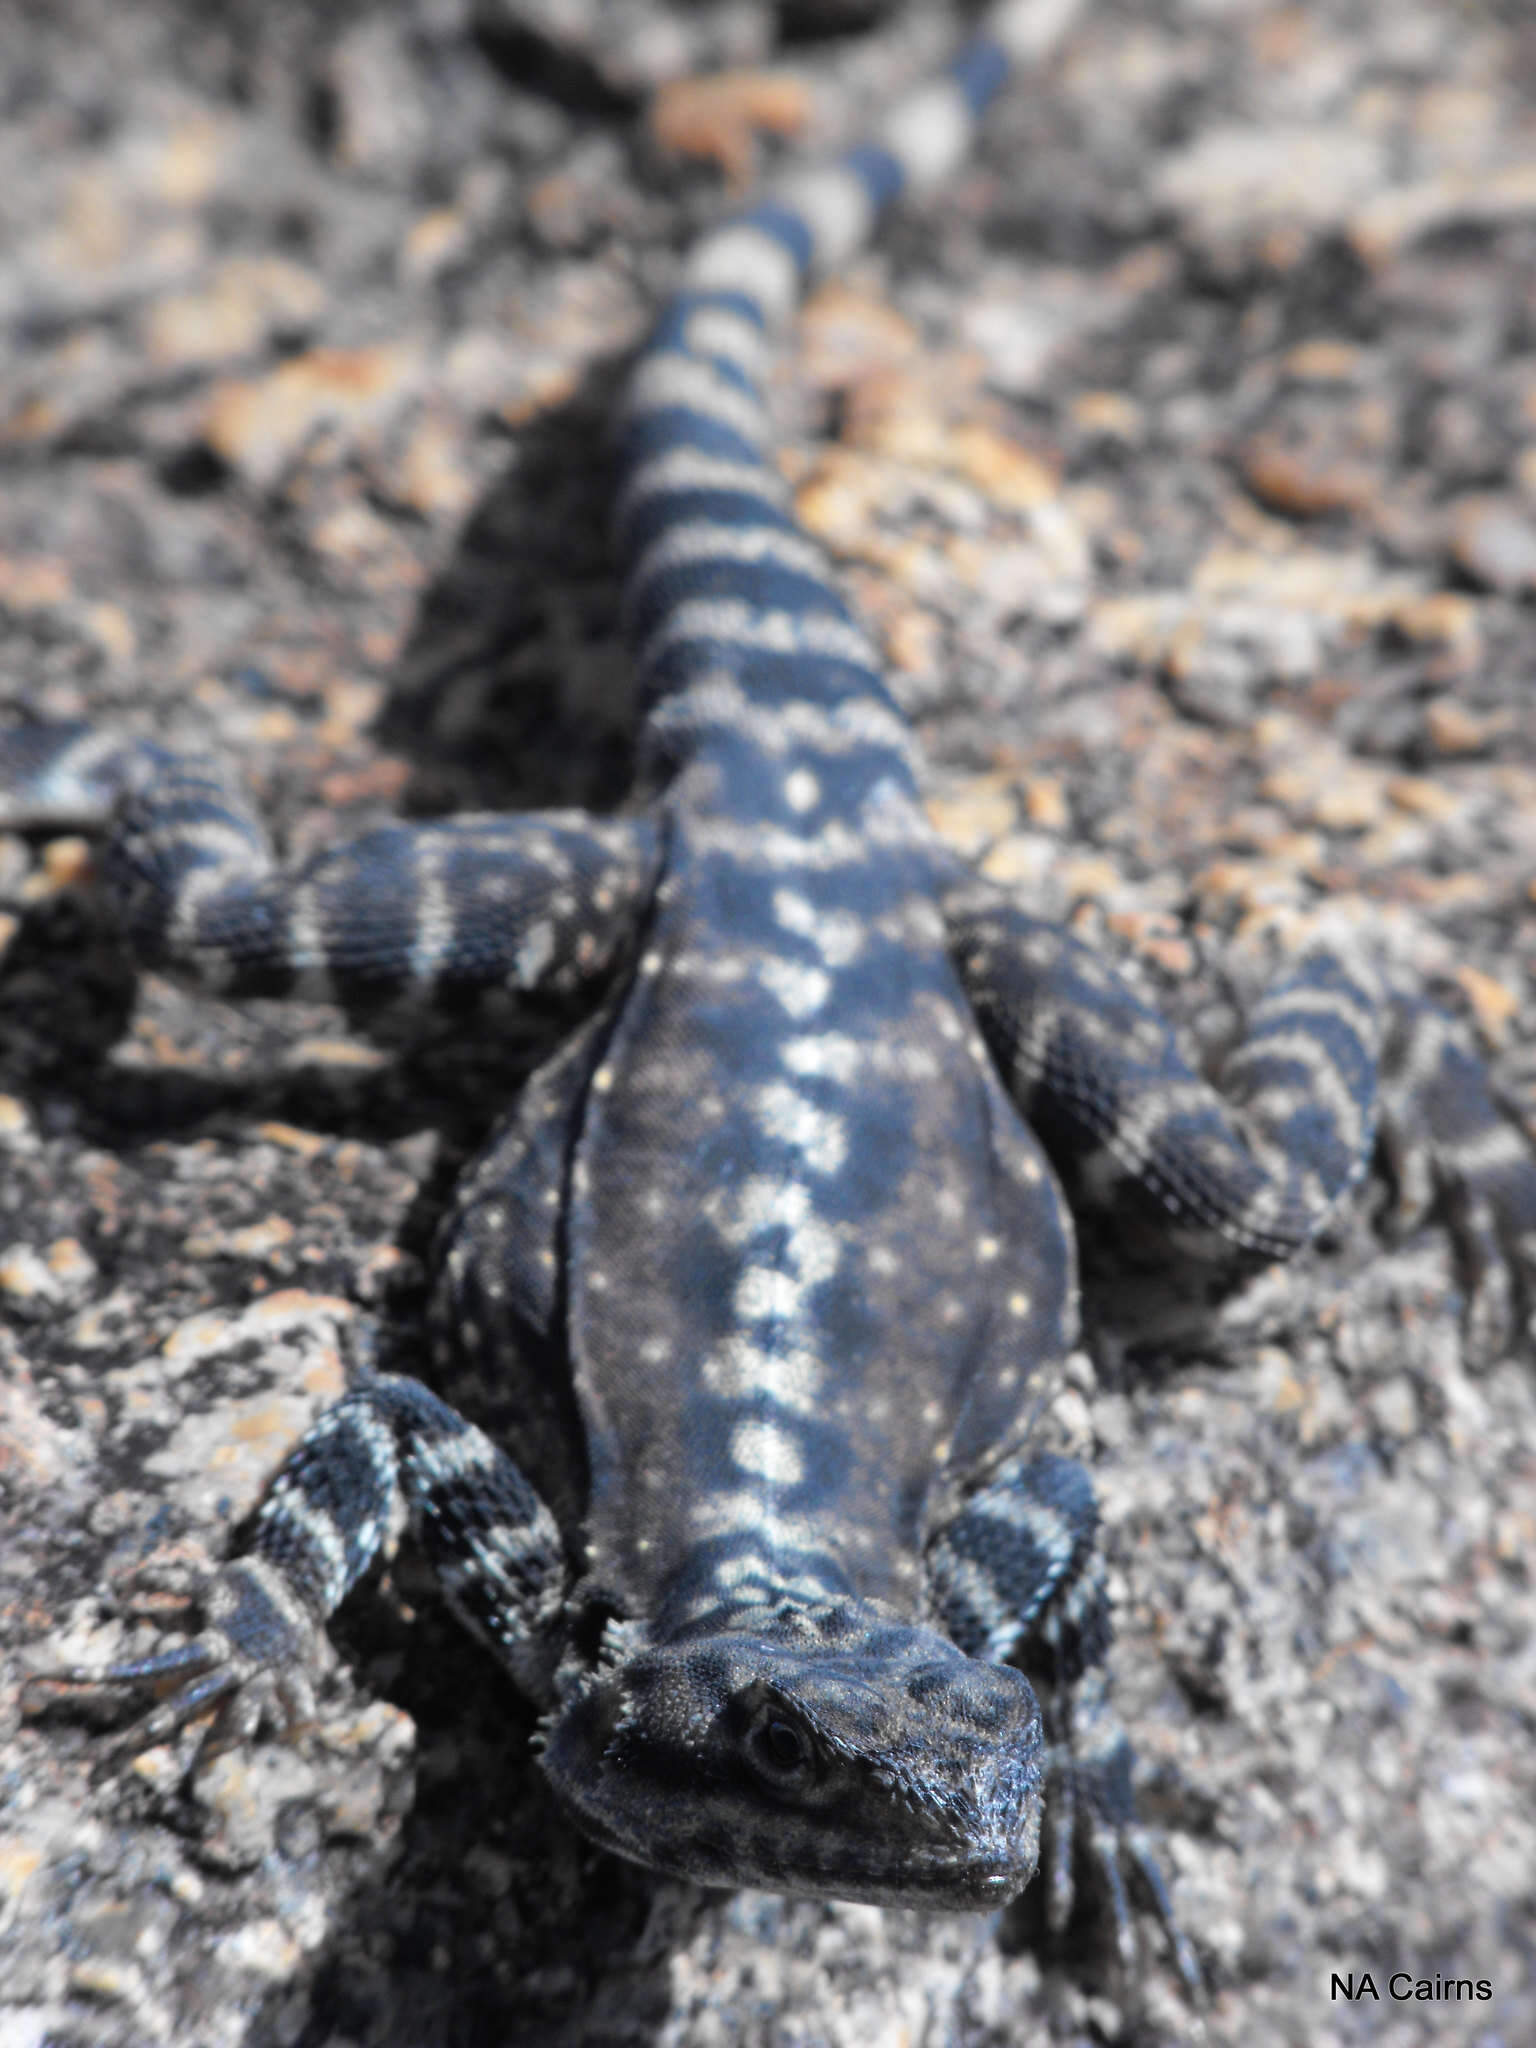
[{"x": 829, "y": 1750}]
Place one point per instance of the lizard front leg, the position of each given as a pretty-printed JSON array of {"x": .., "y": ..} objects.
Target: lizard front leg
[
  {"x": 1017, "y": 1575},
  {"x": 389, "y": 1450}
]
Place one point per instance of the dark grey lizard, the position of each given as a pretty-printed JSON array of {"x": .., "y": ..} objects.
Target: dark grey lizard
[{"x": 785, "y": 1208}]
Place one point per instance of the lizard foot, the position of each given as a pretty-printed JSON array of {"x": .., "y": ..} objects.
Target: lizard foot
[
  {"x": 1450, "y": 1146},
  {"x": 249, "y": 1667},
  {"x": 1091, "y": 1824}
]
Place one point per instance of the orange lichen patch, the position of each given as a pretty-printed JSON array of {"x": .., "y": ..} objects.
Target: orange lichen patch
[
  {"x": 845, "y": 333},
  {"x": 255, "y": 1241},
  {"x": 1024, "y": 861},
  {"x": 66, "y": 863},
  {"x": 184, "y": 168},
  {"x": 1444, "y": 893},
  {"x": 68, "y": 1261},
  {"x": 257, "y": 425},
  {"x": 543, "y": 392},
  {"x": 276, "y": 726},
  {"x": 1305, "y": 480},
  {"x": 896, "y": 414},
  {"x": 1045, "y": 803},
  {"x": 434, "y": 476},
  {"x": 1138, "y": 629},
  {"x": 1421, "y": 797},
  {"x": 1174, "y": 956},
  {"x": 354, "y": 534},
  {"x": 19, "y": 1864},
  {"x": 212, "y": 1332},
  {"x": 720, "y": 118},
  {"x": 33, "y": 420},
  {"x": 1492, "y": 1004},
  {"x": 1324, "y": 361},
  {"x": 335, "y": 1052},
  {"x": 1246, "y": 885},
  {"x": 911, "y": 640},
  {"x": 32, "y": 582},
  {"x": 1109, "y": 413},
  {"x": 435, "y": 240},
  {"x": 249, "y": 299},
  {"x": 975, "y": 813},
  {"x": 1339, "y": 796},
  {"x": 1280, "y": 36},
  {"x": 351, "y": 705},
  {"x": 1093, "y": 879},
  {"x": 112, "y": 630},
  {"x": 1442, "y": 615},
  {"x": 838, "y": 499},
  {"x": 1011, "y": 475},
  {"x": 383, "y": 779},
  {"x": 308, "y": 1144}
]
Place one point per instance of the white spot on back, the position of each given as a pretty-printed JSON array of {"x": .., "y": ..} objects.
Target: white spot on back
[
  {"x": 791, "y": 1377},
  {"x": 767, "y": 1450},
  {"x": 797, "y": 988},
  {"x": 764, "y": 1294},
  {"x": 815, "y": 1133},
  {"x": 829, "y": 1055},
  {"x": 802, "y": 792}
]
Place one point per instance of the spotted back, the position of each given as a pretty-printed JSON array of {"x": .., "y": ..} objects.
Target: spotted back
[{"x": 813, "y": 1255}]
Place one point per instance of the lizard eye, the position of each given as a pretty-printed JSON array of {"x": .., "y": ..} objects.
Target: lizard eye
[
  {"x": 779, "y": 1748},
  {"x": 785, "y": 1744}
]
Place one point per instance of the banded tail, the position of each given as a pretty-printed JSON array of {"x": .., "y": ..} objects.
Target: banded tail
[{"x": 723, "y": 591}]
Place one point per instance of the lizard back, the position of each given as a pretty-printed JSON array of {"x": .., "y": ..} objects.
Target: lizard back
[{"x": 811, "y": 1245}]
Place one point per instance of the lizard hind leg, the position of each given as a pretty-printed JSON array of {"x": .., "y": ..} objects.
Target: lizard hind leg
[
  {"x": 1251, "y": 1168},
  {"x": 404, "y": 920},
  {"x": 1335, "y": 1062},
  {"x": 1018, "y": 1574}
]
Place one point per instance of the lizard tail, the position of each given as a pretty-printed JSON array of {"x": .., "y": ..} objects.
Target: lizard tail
[{"x": 721, "y": 586}]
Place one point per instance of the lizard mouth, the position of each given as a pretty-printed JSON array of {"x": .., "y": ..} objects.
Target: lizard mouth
[{"x": 933, "y": 1882}]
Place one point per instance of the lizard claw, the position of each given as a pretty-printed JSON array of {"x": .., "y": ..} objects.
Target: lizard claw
[
  {"x": 1091, "y": 1815},
  {"x": 249, "y": 1667}
]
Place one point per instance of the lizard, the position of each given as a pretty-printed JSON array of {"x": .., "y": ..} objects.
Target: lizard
[{"x": 787, "y": 1208}]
